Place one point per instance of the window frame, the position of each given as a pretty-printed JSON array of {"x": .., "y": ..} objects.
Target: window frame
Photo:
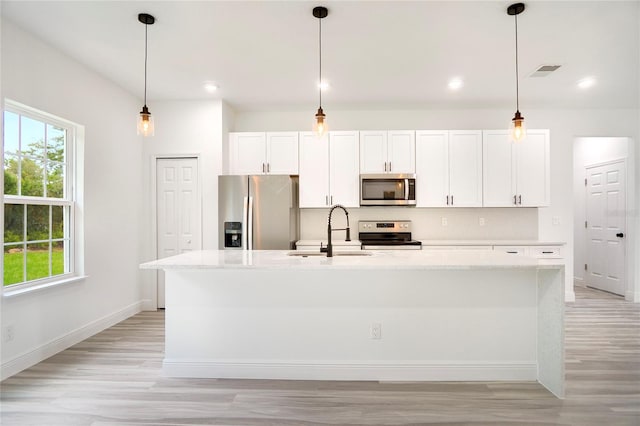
[{"x": 69, "y": 202}]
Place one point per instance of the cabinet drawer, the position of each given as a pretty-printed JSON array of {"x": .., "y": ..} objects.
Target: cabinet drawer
[
  {"x": 514, "y": 250},
  {"x": 545, "y": 252}
]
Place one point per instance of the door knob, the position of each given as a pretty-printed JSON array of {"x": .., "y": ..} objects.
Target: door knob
[{"x": 620, "y": 235}]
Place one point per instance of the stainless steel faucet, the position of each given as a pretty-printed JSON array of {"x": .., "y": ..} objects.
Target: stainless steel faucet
[{"x": 329, "y": 248}]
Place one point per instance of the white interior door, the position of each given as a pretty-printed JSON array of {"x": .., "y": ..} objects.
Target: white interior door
[
  {"x": 179, "y": 227},
  {"x": 605, "y": 227}
]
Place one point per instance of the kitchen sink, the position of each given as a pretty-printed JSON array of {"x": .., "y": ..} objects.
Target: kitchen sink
[{"x": 304, "y": 253}]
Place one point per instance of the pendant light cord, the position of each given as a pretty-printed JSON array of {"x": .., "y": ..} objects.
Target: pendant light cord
[
  {"x": 320, "y": 57},
  {"x": 146, "y": 26},
  {"x": 517, "y": 82}
]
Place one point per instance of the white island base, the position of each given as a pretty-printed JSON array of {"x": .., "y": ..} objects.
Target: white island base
[{"x": 440, "y": 317}]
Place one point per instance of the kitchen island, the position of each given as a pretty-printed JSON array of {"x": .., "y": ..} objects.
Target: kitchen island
[{"x": 389, "y": 315}]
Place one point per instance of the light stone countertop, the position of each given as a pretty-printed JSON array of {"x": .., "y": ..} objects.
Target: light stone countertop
[
  {"x": 377, "y": 259},
  {"x": 490, "y": 243}
]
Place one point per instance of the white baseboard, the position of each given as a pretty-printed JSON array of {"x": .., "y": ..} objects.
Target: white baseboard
[
  {"x": 40, "y": 353},
  {"x": 569, "y": 296},
  {"x": 409, "y": 371},
  {"x": 148, "y": 305}
]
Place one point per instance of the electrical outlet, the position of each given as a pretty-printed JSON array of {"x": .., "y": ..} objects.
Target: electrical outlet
[
  {"x": 9, "y": 333},
  {"x": 445, "y": 222},
  {"x": 481, "y": 221},
  {"x": 376, "y": 331},
  {"x": 555, "y": 220}
]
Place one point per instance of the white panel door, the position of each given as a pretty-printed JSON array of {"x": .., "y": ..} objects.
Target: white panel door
[
  {"x": 178, "y": 213},
  {"x": 344, "y": 174},
  {"x": 498, "y": 173},
  {"x": 401, "y": 148},
  {"x": 606, "y": 202},
  {"x": 314, "y": 170},
  {"x": 373, "y": 152},
  {"x": 282, "y": 153},
  {"x": 432, "y": 168},
  {"x": 532, "y": 165},
  {"x": 465, "y": 168},
  {"x": 247, "y": 153}
]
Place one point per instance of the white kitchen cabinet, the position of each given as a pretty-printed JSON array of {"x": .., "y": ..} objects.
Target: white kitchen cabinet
[
  {"x": 329, "y": 171},
  {"x": 387, "y": 151},
  {"x": 516, "y": 174},
  {"x": 539, "y": 252},
  {"x": 263, "y": 153},
  {"x": 449, "y": 168}
]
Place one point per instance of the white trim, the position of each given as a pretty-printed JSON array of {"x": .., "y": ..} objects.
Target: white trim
[
  {"x": 569, "y": 296},
  {"x": 42, "y": 352},
  {"x": 18, "y": 289},
  {"x": 350, "y": 370}
]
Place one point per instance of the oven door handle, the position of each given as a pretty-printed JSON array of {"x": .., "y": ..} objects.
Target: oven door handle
[{"x": 406, "y": 189}]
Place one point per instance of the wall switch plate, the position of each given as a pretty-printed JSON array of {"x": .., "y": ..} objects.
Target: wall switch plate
[
  {"x": 376, "y": 331},
  {"x": 555, "y": 220},
  {"x": 481, "y": 221},
  {"x": 445, "y": 222}
]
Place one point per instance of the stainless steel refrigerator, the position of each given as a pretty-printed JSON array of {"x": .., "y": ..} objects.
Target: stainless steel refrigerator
[{"x": 258, "y": 212}]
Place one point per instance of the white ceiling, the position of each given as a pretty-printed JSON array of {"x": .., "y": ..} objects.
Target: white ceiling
[{"x": 376, "y": 54}]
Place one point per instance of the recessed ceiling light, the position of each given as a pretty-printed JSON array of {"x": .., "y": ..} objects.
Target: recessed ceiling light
[
  {"x": 456, "y": 83},
  {"x": 210, "y": 87},
  {"x": 586, "y": 82},
  {"x": 324, "y": 85}
]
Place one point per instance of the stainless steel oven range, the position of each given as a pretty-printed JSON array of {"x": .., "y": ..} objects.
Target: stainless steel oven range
[{"x": 387, "y": 235}]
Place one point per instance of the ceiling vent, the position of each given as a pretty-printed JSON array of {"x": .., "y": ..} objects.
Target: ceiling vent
[{"x": 544, "y": 70}]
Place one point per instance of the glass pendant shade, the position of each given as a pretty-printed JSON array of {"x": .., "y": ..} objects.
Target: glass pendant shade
[
  {"x": 320, "y": 127},
  {"x": 145, "y": 122},
  {"x": 518, "y": 130}
]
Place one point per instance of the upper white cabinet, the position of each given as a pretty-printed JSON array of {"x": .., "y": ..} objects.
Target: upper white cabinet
[
  {"x": 387, "y": 151},
  {"x": 516, "y": 174},
  {"x": 263, "y": 153},
  {"x": 329, "y": 172},
  {"x": 449, "y": 168}
]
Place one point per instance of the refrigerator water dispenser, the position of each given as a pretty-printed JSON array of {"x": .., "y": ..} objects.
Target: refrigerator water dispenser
[{"x": 233, "y": 234}]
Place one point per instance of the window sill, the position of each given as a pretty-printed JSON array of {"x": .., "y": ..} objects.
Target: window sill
[{"x": 9, "y": 292}]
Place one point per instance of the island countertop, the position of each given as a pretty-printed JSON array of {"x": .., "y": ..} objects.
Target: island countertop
[{"x": 374, "y": 259}]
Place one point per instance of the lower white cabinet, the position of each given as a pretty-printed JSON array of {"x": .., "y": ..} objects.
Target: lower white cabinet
[{"x": 329, "y": 169}]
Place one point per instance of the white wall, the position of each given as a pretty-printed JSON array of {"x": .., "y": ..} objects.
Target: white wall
[
  {"x": 46, "y": 321},
  {"x": 182, "y": 128},
  {"x": 564, "y": 125}
]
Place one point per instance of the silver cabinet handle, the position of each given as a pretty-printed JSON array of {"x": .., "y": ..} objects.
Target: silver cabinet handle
[
  {"x": 547, "y": 252},
  {"x": 447, "y": 200},
  {"x": 520, "y": 199},
  {"x": 268, "y": 167},
  {"x": 515, "y": 197},
  {"x": 389, "y": 165},
  {"x": 331, "y": 198},
  {"x": 262, "y": 167},
  {"x": 452, "y": 200},
  {"x": 326, "y": 200},
  {"x": 385, "y": 166},
  {"x": 512, "y": 252}
]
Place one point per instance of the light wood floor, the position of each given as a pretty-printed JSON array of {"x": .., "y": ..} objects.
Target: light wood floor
[{"x": 114, "y": 378}]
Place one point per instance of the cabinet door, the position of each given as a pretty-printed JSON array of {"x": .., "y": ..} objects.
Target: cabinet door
[
  {"x": 465, "y": 168},
  {"x": 282, "y": 153},
  {"x": 532, "y": 171},
  {"x": 498, "y": 174},
  {"x": 373, "y": 152},
  {"x": 432, "y": 168},
  {"x": 247, "y": 153},
  {"x": 401, "y": 148},
  {"x": 314, "y": 170},
  {"x": 344, "y": 174}
]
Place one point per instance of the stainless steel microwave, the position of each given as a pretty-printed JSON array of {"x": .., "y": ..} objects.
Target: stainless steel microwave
[{"x": 388, "y": 190}]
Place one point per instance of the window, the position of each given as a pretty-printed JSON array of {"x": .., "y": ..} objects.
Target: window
[{"x": 39, "y": 199}]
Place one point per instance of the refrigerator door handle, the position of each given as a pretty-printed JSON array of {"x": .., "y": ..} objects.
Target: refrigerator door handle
[
  {"x": 245, "y": 230},
  {"x": 250, "y": 222}
]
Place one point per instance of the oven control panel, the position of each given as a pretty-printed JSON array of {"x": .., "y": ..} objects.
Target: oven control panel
[{"x": 378, "y": 226}]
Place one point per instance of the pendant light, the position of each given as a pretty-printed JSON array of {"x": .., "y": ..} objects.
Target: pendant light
[
  {"x": 320, "y": 126},
  {"x": 145, "y": 120},
  {"x": 517, "y": 130}
]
